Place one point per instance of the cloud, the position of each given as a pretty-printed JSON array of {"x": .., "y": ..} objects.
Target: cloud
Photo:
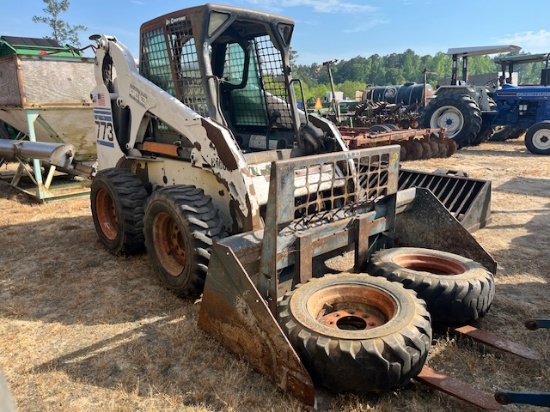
[
  {"x": 319, "y": 6},
  {"x": 366, "y": 25},
  {"x": 530, "y": 41}
]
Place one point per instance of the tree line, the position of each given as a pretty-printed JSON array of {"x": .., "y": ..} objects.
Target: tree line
[{"x": 394, "y": 69}]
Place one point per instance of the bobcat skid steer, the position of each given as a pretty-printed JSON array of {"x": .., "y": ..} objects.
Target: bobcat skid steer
[{"x": 206, "y": 162}]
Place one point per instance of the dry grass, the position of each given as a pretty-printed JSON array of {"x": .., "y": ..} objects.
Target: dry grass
[{"x": 81, "y": 330}]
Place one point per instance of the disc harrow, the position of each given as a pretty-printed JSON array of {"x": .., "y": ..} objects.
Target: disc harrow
[{"x": 416, "y": 144}]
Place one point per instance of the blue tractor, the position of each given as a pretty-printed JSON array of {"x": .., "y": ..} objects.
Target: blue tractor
[{"x": 526, "y": 106}]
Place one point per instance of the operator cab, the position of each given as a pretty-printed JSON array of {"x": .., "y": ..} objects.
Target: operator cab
[{"x": 230, "y": 65}]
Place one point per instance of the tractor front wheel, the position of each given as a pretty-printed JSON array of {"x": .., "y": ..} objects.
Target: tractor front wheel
[
  {"x": 537, "y": 138},
  {"x": 357, "y": 333},
  {"x": 117, "y": 200},
  {"x": 180, "y": 225}
]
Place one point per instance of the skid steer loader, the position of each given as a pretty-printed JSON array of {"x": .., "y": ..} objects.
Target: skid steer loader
[{"x": 205, "y": 161}]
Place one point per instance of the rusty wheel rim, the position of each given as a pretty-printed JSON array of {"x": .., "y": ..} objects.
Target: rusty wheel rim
[
  {"x": 106, "y": 214},
  {"x": 431, "y": 264},
  {"x": 169, "y": 244},
  {"x": 351, "y": 319},
  {"x": 351, "y": 307}
]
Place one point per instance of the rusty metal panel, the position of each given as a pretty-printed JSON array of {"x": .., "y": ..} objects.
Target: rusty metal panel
[
  {"x": 233, "y": 312},
  {"x": 458, "y": 389},
  {"x": 497, "y": 341},
  {"x": 424, "y": 221}
]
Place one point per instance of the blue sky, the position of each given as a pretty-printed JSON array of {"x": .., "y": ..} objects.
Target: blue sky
[{"x": 326, "y": 29}]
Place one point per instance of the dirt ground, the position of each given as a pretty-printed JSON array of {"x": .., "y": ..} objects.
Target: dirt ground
[{"x": 81, "y": 330}]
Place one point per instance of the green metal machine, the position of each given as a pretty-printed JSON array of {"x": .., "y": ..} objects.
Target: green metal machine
[{"x": 45, "y": 97}]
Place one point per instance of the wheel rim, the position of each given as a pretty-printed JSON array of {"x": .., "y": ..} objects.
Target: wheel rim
[
  {"x": 106, "y": 214},
  {"x": 448, "y": 117},
  {"x": 169, "y": 244},
  {"x": 541, "y": 139},
  {"x": 351, "y": 307},
  {"x": 432, "y": 264}
]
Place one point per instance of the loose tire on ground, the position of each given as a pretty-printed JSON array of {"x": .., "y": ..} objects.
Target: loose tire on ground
[
  {"x": 456, "y": 289},
  {"x": 117, "y": 200},
  {"x": 180, "y": 225},
  {"x": 456, "y": 112},
  {"x": 537, "y": 138},
  {"x": 357, "y": 333}
]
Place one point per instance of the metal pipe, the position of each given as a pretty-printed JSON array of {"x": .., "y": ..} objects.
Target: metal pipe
[{"x": 57, "y": 154}]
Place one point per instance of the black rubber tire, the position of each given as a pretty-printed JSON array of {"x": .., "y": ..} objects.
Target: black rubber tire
[
  {"x": 180, "y": 225},
  {"x": 537, "y": 138},
  {"x": 463, "y": 121},
  {"x": 516, "y": 133},
  {"x": 456, "y": 289},
  {"x": 506, "y": 133},
  {"x": 357, "y": 355},
  {"x": 487, "y": 129},
  {"x": 484, "y": 135},
  {"x": 117, "y": 200},
  {"x": 381, "y": 128},
  {"x": 501, "y": 134}
]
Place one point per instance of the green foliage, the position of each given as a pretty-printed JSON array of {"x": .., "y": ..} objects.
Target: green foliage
[
  {"x": 393, "y": 69},
  {"x": 61, "y": 30}
]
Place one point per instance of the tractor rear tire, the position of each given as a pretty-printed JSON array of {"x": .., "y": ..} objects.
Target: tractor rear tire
[
  {"x": 180, "y": 226},
  {"x": 516, "y": 133},
  {"x": 484, "y": 135},
  {"x": 117, "y": 200},
  {"x": 504, "y": 133},
  {"x": 357, "y": 333},
  {"x": 456, "y": 289},
  {"x": 456, "y": 112},
  {"x": 537, "y": 138}
]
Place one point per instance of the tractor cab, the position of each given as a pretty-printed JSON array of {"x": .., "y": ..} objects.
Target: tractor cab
[{"x": 231, "y": 65}]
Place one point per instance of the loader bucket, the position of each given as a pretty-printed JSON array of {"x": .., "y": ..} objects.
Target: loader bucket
[
  {"x": 362, "y": 210},
  {"x": 233, "y": 311},
  {"x": 248, "y": 272},
  {"x": 467, "y": 199},
  {"x": 423, "y": 221}
]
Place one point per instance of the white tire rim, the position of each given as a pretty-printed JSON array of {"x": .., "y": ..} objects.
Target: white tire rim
[
  {"x": 448, "y": 117},
  {"x": 541, "y": 139}
]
